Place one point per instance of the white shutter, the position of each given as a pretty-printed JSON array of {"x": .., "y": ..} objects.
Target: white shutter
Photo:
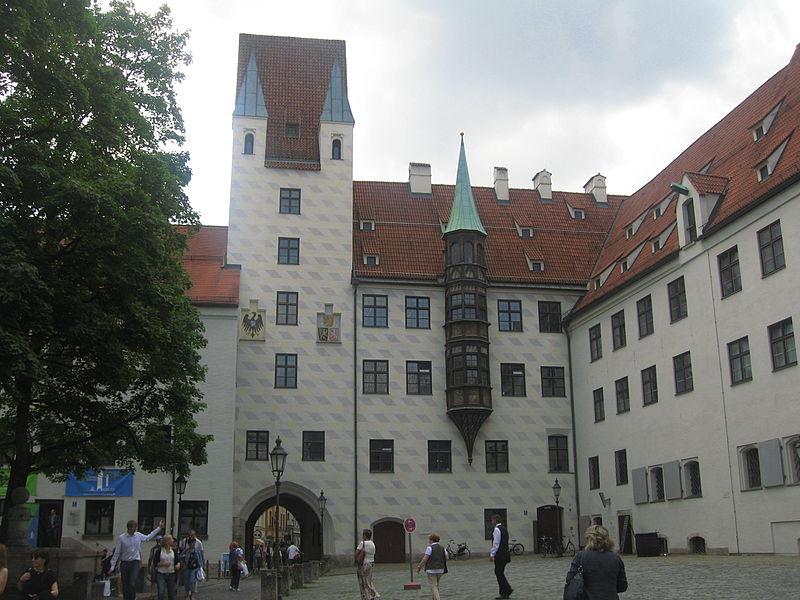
[
  {"x": 672, "y": 480},
  {"x": 771, "y": 460},
  {"x": 639, "y": 477}
]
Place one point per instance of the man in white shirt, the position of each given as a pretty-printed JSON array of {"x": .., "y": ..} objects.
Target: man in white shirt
[
  {"x": 500, "y": 555},
  {"x": 128, "y": 552},
  {"x": 293, "y": 554}
]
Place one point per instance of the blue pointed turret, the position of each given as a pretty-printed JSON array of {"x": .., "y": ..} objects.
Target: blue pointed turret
[
  {"x": 250, "y": 99},
  {"x": 336, "y": 108},
  {"x": 463, "y": 214}
]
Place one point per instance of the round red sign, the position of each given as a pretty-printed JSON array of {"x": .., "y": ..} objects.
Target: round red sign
[{"x": 409, "y": 525}]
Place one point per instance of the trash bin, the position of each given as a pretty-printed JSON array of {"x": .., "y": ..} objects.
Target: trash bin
[{"x": 648, "y": 544}]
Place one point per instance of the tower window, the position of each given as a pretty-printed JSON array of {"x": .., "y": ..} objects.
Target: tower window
[
  {"x": 293, "y": 130},
  {"x": 689, "y": 221},
  {"x": 249, "y": 139},
  {"x": 336, "y": 149}
]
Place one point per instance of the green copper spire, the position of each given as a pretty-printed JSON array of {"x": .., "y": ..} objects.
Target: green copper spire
[{"x": 463, "y": 214}]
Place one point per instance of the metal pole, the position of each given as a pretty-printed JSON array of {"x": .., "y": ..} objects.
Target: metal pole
[
  {"x": 276, "y": 550},
  {"x": 558, "y": 530},
  {"x": 172, "y": 506},
  {"x": 410, "y": 568},
  {"x": 180, "y": 499}
]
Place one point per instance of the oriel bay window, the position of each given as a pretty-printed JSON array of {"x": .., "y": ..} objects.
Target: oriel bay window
[
  {"x": 468, "y": 305},
  {"x": 468, "y": 364}
]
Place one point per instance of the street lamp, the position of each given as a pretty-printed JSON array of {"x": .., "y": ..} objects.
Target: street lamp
[
  {"x": 180, "y": 489},
  {"x": 556, "y": 496},
  {"x": 278, "y": 460},
  {"x": 322, "y": 502}
]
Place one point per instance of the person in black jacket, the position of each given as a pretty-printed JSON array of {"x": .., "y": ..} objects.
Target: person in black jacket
[
  {"x": 501, "y": 556},
  {"x": 603, "y": 569}
]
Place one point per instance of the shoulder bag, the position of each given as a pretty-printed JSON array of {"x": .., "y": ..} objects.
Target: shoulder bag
[
  {"x": 360, "y": 555},
  {"x": 574, "y": 588}
]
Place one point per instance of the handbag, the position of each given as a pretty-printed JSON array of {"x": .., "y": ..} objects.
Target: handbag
[
  {"x": 360, "y": 556},
  {"x": 245, "y": 570},
  {"x": 575, "y": 588},
  {"x": 201, "y": 575}
]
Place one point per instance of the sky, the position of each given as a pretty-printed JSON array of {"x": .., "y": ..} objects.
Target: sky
[{"x": 577, "y": 87}]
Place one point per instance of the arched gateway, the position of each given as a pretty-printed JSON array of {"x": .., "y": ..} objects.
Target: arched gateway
[{"x": 303, "y": 504}]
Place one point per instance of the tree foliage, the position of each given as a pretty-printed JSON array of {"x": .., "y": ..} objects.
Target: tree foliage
[{"x": 99, "y": 345}]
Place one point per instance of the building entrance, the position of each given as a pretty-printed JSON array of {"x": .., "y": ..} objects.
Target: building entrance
[
  {"x": 390, "y": 542},
  {"x": 298, "y": 522}
]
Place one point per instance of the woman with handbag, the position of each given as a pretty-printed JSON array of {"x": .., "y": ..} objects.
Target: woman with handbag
[
  {"x": 237, "y": 564},
  {"x": 365, "y": 558},
  {"x": 193, "y": 564},
  {"x": 596, "y": 573}
]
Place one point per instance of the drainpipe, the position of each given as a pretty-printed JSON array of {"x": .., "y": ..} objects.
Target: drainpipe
[
  {"x": 574, "y": 438},
  {"x": 355, "y": 412}
]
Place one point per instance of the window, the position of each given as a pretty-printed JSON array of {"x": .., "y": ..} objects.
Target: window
[
  {"x": 550, "y": 317},
  {"x": 579, "y": 214},
  {"x": 729, "y": 276},
  {"x": 553, "y": 382},
  {"x": 689, "y": 224},
  {"x": 770, "y": 247},
  {"x": 657, "y": 212},
  {"x": 488, "y": 513},
  {"x": 336, "y": 149},
  {"x": 656, "y": 246},
  {"x": 512, "y": 379},
  {"x": 649, "y": 386},
  {"x": 618, "y": 329},
  {"x": 676, "y": 291},
  {"x": 375, "y": 378},
  {"x": 99, "y": 517},
  {"x": 249, "y": 138},
  {"x": 751, "y": 465},
  {"x": 418, "y": 312},
  {"x": 439, "y": 456},
  {"x": 150, "y": 513},
  {"x": 290, "y": 201},
  {"x": 758, "y": 133},
  {"x": 526, "y": 232},
  {"x": 595, "y": 343},
  {"x": 594, "y": 472},
  {"x": 286, "y": 308},
  {"x": 739, "y": 360},
  {"x": 293, "y": 130},
  {"x": 623, "y": 395},
  {"x": 691, "y": 478},
  {"x": 418, "y": 377},
  {"x": 467, "y": 306},
  {"x": 372, "y": 260},
  {"x": 381, "y": 456},
  {"x": 467, "y": 364},
  {"x": 644, "y": 312},
  {"x": 509, "y": 315},
  {"x": 314, "y": 445},
  {"x": 193, "y": 516},
  {"x": 763, "y": 171},
  {"x": 657, "y": 484},
  {"x": 366, "y": 225},
  {"x": 793, "y": 451},
  {"x": 536, "y": 266},
  {"x": 559, "y": 453},
  {"x": 286, "y": 370},
  {"x": 621, "y": 466},
  {"x": 374, "y": 311},
  {"x": 257, "y": 445},
  {"x": 496, "y": 456},
  {"x": 682, "y": 366},
  {"x": 629, "y": 232},
  {"x": 781, "y": 339},
  {"x": 599, "y": 405},
  {"x": 288, "y": 251}
]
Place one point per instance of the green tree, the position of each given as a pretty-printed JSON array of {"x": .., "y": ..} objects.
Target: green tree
[{"x": 99, "y": 345}]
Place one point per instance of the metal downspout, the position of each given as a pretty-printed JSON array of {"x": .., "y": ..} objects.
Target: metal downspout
[
  {"x": 355, "y": 413},
  {"x": 574, "y": 437}
]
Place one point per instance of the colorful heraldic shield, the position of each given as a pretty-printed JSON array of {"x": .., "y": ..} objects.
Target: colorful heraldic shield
[{"x": 329, "y": 327}]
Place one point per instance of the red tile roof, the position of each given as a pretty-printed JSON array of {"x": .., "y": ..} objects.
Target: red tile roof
[
  {"x": 213, "y": 281},
  {"x": 294, "y": 73},
  {"x": 733, "y": 157},
  {"x": 408, "y": 235}
]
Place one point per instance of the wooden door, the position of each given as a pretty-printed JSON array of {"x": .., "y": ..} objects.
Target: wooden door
[
  {"x": 548, "y": 518},
  {"x": 390, "y": 542}
]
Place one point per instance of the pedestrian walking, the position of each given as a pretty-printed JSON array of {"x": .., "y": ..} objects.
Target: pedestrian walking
[
  {"x": 434, "y": 561},
  {"x": 293, "y": 554},
  {"x": 193, "y": 567},
  {"x": 365, "y": 559},
  {"x": 603, "y": 570},
  {"x": 235, "y": 560},
  {"x": 198, "y": 544},
  {"x": 128, "y": 555},
  {"x": 258, "y": 555},
  {"x": 166, "y": 564},
  {"x": 500, "y": 555},
  {"x": 38, "y": 582}
]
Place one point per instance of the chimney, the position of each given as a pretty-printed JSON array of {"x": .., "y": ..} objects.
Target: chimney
[
  {"x": 501, "y": 185},
  {"x": 543, "y": 185},
  {"x": 419, "y": 178},
  {"x": 596, "y": 186}
]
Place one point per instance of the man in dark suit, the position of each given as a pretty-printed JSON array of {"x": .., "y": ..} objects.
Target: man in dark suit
[
  {"x": 501, "y": 556},
  {"x": 53, "y": 527}
]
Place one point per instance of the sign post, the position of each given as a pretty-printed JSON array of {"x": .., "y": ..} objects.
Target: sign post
[{"x": 410, "y": 525}]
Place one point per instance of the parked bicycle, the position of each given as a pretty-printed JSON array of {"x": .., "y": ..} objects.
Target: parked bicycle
[
  {"x": 552, "y": 547},
  {"x": 457, "y": 551},
  {"x": 515, "y": 548}
]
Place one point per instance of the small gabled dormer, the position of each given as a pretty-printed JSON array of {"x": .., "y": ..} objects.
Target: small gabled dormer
[
  {"x": 372, "y": 260},
  {"x": 576, "y": 213},
  {"x": 698, "y": 196},
  {"x": 524, "y": 231},
  {"x": 535, "y": 265},
  {"x": 760, "y": 129},
  {"x": 632, "y": 228},
  {"x": 366, "y": 225},
  {"x": 765, "y": 168}
]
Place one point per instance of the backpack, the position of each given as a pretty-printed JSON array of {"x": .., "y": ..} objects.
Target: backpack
[
  {"x": 192, "y": 562},
  {"x": 152, "y": 562}
]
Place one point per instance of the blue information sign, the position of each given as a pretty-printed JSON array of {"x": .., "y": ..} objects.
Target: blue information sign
[{"x": 104, "y": 482}]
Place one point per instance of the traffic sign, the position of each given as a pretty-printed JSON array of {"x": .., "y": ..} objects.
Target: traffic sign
[{"x": 410, "y": 525}]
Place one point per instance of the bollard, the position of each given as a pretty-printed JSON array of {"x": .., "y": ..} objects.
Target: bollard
[
  {"x": 268, "y": 584},
  {"x": 307, "y": 574},
  {"x": 296, "y": 576},
  {"x": 284, "y": 580}
]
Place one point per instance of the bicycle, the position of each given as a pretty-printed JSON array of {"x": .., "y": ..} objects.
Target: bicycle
[
  {"x": 554, "y": 547},
  {"x": 457, "y": 551},
  {"x": 515, "y": 548}
]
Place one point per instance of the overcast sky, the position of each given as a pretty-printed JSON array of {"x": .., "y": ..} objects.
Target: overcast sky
[{"x": 575, "y": 87}]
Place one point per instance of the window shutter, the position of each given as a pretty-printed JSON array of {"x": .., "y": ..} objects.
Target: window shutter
[
  {"x": 583, "y": 523},
  {"x": 639, "y": 485},
  {"x": 672, "y": 480},
  {"x": 771, "y": 463}
]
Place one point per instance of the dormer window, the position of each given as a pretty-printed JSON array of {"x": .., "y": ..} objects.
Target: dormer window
[
  {"x": 759, "y": 133},
  {"x": 629, "y": 232},
  {"x": 579, "y": 214},
  {"x": 597, "y": 283},
  {"x": 623, "y": 266},
  {"x": 366, "y": 225},
  {"x": 536, "y": 266},
  {"x": 526, "y": 232},
  {"x": 249, "y": 140},
  {"x": 371, "y": 260},
  {"x": 761, "y": 128},
  {"x": 690, "y": 224},
  {"x": 293, "y": 130},
  {"x": 766, "y": 168},
  {"x": 657, "y": 212},
  {"x": 656, "y": 246},
  {"x": 336, "y": 149},
  {"x": 763, "y": 172}
]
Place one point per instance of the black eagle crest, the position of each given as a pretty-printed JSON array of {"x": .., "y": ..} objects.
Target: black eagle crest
[{"x": 252, "y": 323}]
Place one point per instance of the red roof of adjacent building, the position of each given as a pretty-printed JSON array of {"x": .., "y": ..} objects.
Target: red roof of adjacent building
[{"x": 213, "y": 281}]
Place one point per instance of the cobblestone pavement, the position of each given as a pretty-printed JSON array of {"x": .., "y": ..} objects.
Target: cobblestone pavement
[{"x": 535, "y": 578}]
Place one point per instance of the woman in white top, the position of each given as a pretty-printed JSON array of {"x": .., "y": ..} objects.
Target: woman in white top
[
  {"x": 365, "y": 568},
  {"x": 167, "y": 564}
]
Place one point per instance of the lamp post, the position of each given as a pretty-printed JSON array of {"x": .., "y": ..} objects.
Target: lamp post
[
  {"x": 322, "y": 502},
  {"x": 278, "y": 462},
  {"x": 180, "y": 488},
  {"x": 556, "y": 496}
]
